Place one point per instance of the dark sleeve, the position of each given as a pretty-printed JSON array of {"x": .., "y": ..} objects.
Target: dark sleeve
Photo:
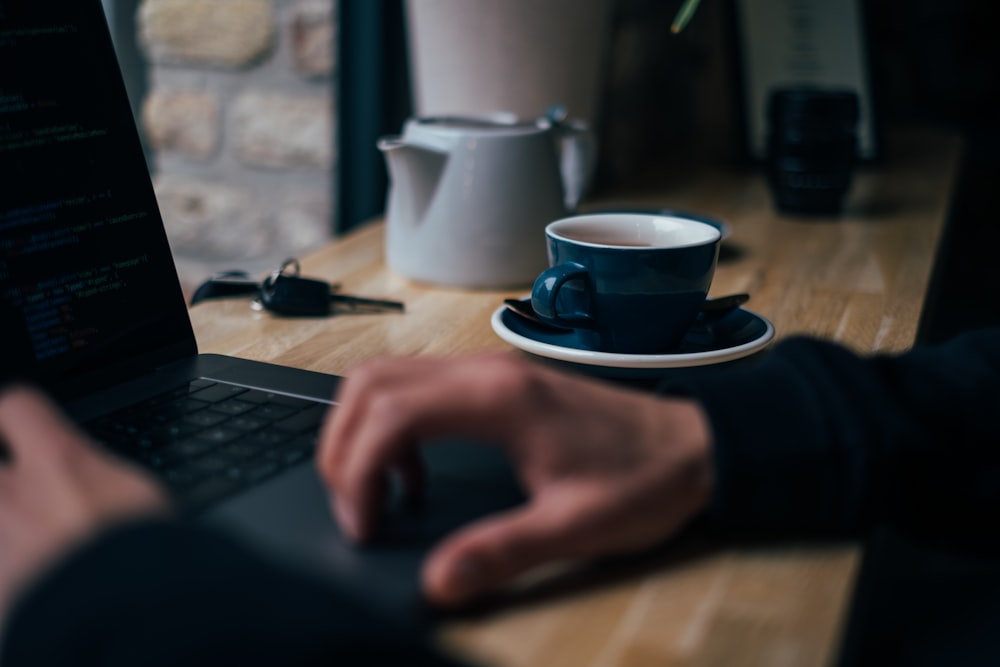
[
  {"x": 163, "y": 593},
  {"x": 817, "y": 440}
]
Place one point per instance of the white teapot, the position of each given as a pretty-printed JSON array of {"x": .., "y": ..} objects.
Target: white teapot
[{"x": 470, "y": 196}]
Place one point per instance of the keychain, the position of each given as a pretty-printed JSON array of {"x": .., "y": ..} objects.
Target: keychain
[{"x": 286, "y": 292}]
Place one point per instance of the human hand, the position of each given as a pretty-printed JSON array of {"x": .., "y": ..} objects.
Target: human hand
[
  {"x": 56, "y": 489},
  {"x": 607, "y": 470}
]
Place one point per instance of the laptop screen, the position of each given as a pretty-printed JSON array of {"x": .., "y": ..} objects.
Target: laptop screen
[{"x": 87, "y": 281}]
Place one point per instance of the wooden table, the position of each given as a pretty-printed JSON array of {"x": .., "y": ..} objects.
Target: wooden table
[{"x": 860, "y": 279}]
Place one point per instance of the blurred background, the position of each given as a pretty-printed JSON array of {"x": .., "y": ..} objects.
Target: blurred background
[{"x": 260, "y": 116}]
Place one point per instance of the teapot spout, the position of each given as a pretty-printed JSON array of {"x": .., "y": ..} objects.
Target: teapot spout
[{"x": 415, "y": 172}]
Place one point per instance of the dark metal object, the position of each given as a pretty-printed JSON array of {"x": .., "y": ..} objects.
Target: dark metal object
[
  {"x": 812, "y": 148},
  {"x": 285, "y": 292}
]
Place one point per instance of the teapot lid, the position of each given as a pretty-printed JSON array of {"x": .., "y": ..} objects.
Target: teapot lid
[{"x": 500, "y": 124}]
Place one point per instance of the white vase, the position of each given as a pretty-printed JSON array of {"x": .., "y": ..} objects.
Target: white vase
[{"x": 520, "y": 56}]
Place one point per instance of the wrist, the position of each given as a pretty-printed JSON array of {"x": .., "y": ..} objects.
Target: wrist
[{"x": 695, "y": 448}]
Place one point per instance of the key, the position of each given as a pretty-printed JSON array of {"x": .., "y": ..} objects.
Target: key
[
  {"x": 359, "y": 304},
  {"x": 292, "y": 295},
  {"x": 285, "y": 292},
  {"x": 296, "y": 296}
]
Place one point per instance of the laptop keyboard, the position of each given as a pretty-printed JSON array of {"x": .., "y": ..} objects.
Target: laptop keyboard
[{"x": 208, "y": 440}]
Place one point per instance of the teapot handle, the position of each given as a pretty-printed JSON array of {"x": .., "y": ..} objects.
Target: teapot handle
[{"x": 577, "y": 159}]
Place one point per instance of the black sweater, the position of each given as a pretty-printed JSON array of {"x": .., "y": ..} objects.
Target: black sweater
[{"x": 818, "y": 441}]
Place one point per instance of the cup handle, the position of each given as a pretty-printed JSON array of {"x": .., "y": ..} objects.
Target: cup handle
[{"x": 545, "y": 294}]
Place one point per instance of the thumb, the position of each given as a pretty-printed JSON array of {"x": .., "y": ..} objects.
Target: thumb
[
  {"x": 32, "y": 426},
  {"x": 492, "y": 551}
]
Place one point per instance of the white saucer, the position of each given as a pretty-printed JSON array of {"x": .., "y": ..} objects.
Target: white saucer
[{"x": 739, "y": 334}]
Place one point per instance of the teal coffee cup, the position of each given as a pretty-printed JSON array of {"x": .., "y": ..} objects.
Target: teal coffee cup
[{"x": 630, "y": 283}]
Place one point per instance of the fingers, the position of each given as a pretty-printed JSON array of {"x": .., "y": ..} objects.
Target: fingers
[
  {"x": 384, "y": 411},
  {"x": 352, "y": 409},
  {"x": 32, "y": 426},
  {"x": 59, "y": 490},
  {"x": 569, "y": 519},
  {"x": 608, "y": 470},
  {"x": 41, "y": 438},
  {"x": 493, "y": 551}
]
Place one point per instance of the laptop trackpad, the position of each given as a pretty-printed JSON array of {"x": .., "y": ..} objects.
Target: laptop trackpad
[{"x": 290, "y": 518}]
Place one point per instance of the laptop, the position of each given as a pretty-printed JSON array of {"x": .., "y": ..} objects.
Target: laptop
[{"x": 92, "y": 310}]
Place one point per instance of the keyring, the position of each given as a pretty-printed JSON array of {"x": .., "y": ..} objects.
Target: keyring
[{"x": 268, "y": 285}]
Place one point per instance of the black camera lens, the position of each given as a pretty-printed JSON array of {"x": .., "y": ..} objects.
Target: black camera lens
[{"x": 812, "y": 148}]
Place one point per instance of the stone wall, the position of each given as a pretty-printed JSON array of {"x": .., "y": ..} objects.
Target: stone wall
[{"x": 239, "y": 118}]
